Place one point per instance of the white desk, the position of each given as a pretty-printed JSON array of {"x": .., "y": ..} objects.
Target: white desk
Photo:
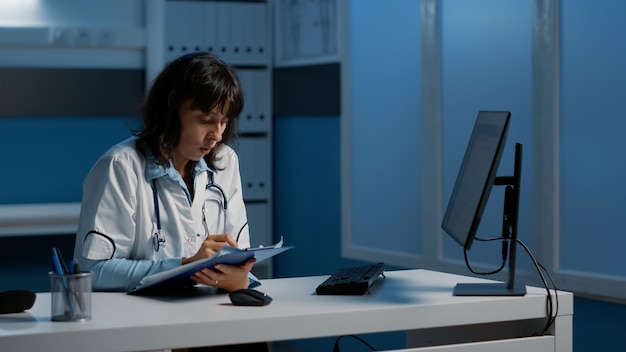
[{"x": 417, "y": 300}]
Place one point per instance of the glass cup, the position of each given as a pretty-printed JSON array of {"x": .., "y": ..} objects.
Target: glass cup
[{"x": 71, "y": 296}]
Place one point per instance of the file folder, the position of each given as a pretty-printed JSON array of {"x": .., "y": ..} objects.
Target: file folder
[{"x": 179, "y": 276}]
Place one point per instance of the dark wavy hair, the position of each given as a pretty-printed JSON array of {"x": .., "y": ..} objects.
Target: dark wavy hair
[{"x": 200, "y": 77}]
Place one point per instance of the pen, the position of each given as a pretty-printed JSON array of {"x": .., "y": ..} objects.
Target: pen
[
  {"x": 56, "y": 262},
  {"x": 71, "y": 268},
  {"x": 79, "y": 295},
  {"x": 61, "y": 260},
  {"x": 59, "y": 270}
]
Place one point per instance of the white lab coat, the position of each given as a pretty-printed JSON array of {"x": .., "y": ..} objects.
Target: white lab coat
[{"x": 118, "y": 219}]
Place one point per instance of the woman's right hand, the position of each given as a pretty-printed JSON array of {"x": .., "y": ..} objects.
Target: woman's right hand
[{"x": 211, "y": 245}]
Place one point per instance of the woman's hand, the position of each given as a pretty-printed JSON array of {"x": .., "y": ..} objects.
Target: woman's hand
[
  {"x": 210, "y": 246},
  {"x": 227, "y": 277}
]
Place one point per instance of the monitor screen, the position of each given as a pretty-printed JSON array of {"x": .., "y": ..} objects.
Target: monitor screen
[{"x": 476, "y": 176}]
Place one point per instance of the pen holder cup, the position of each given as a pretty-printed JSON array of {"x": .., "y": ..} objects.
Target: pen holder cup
[{"x": 71, "y": 296}]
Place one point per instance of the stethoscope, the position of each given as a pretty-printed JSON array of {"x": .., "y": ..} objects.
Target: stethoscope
[{"x": 158, "y": 240}]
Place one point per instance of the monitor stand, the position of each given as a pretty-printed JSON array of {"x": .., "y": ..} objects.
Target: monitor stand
[
  {"x": 509, "y": 233},
  {"x": 488, "y": 289}
]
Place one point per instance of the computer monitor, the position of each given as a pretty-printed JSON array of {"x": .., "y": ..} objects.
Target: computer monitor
[{"x": 476, "y": 177}]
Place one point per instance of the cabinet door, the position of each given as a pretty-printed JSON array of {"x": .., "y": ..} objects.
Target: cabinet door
[
  {"x": 256, "y": 114},
  {"x": 259, "y": 222},
  {"x": 255, "y": 165},
  {"x": 184, "y": 29}
]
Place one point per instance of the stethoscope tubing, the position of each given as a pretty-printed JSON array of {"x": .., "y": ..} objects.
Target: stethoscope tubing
[{"x": 158, "y": 239}]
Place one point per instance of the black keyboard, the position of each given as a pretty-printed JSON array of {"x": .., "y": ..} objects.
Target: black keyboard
[{"x": 351, "y": 281}]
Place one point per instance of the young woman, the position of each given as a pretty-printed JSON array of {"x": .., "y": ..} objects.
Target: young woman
[{"x": 171, "y": 194}]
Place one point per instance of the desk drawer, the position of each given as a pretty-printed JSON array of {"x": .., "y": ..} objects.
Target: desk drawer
[{"x": 525, "y": 344}]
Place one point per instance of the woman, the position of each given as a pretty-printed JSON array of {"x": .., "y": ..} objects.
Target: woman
[{"x": 171, "y": 194}]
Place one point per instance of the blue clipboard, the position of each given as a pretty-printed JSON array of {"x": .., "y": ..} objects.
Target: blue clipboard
[{"x": 227, "y": 255}]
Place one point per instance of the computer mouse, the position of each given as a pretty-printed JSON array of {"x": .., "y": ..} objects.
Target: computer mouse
[
  {"x": 249, "y": 297},
  {"x": 16, "y": 301}
]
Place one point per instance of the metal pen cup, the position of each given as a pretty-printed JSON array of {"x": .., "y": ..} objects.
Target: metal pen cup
[{"x": 71, "y": 296}]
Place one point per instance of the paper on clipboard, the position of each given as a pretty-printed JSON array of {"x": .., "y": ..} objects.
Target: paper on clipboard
[{"x": 227, "y": 255}]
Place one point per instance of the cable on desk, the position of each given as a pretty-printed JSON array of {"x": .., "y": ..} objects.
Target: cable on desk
[
  {"x": 337, "y": 349},
  {"x": 552, "y": 308},
  {"x": 505, "y": 251}
]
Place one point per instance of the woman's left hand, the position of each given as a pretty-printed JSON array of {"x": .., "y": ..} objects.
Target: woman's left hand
[{"x": 224, "y": 276}]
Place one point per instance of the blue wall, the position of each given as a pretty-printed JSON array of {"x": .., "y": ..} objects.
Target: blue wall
[
  {"x": 307, "y": 194},
  {"x": 45, "y": 159},
  {"x": 593, "y": 162}
]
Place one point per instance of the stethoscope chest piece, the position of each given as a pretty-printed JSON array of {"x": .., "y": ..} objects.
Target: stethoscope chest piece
[{"x": 158, "y": 241}]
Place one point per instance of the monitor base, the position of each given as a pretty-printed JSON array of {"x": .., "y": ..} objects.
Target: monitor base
[{"x": 488, "y": 289}]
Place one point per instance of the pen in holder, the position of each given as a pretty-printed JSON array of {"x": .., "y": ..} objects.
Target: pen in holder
[
  {"x": 71, "y": 296},
  {"x": 70, "y": 289}
]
